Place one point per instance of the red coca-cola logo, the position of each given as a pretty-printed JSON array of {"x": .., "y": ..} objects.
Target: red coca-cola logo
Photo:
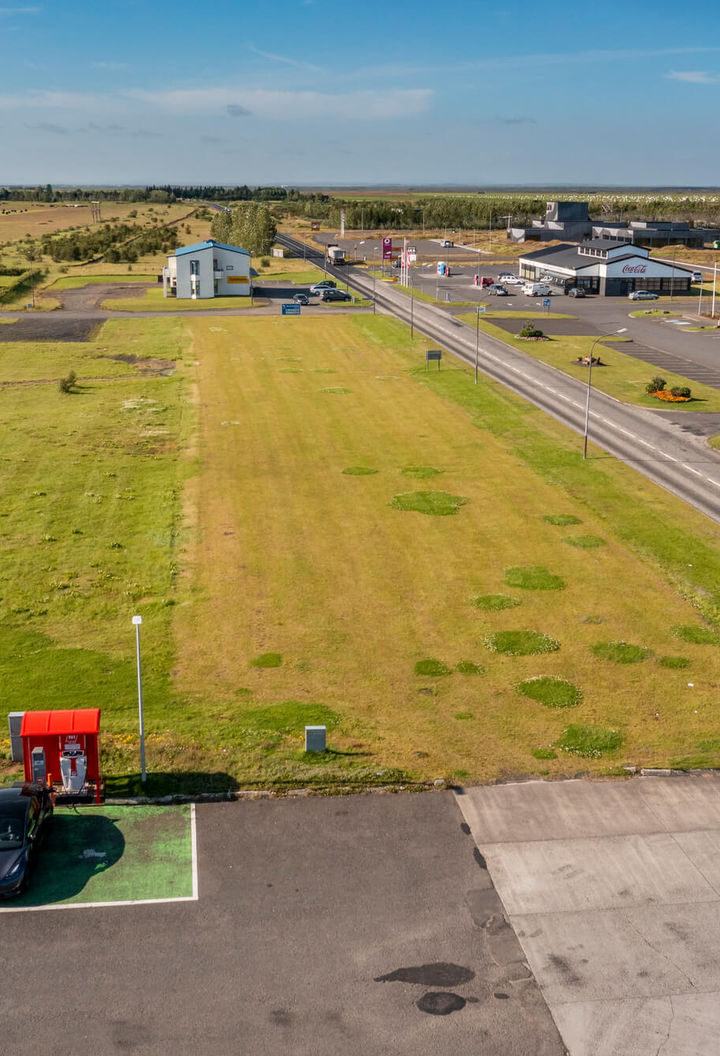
[{"x": 634, "y": 269}]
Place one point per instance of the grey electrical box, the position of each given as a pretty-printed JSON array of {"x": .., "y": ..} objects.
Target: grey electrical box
[
  {"x": 315, "y": 738},
  {"x": 15, "y": 723},
  {"x": 39, "y": 770}
]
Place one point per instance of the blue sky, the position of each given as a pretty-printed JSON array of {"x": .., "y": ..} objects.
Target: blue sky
[{"x": 300, "y": 92}]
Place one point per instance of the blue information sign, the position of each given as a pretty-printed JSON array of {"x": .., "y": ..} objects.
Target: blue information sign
[
  {"x": 291, "y": 309},
  {"x": 546, "y": 302}
]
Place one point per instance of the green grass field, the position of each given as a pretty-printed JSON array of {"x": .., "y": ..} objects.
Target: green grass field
[
  {"x": 153, "y": 301},
  {"x": 317, "y": 530}
]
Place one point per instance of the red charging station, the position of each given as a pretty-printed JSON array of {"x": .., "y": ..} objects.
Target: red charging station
[{"x": 62, "y": 749}]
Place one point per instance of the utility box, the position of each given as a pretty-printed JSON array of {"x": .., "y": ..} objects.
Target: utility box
[
  {"x": 15, "y": 724},
  {"x": 38, "y": 766},
  {"x": 315, "y": 738}
]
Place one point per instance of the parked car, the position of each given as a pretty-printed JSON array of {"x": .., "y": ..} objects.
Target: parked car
[
  {"x": 510, "y": 280},
  {"x": 324, "y": 284},
  {"x": 643, "y": 295},
  {"x": 576, "y": 291},
  {"x": 486, "y": 280},
  {"x": 334, "y": 295},
  {"x": 446, "y": 243},
  {"x": 697, "y": 276},
  {"x": 301, "y": 298},
  {"x": 497, "y": 290},
  {"x": 25, "y": 811}
]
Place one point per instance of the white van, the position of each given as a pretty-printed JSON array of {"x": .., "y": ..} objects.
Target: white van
[{"x": 536, "y": 289}]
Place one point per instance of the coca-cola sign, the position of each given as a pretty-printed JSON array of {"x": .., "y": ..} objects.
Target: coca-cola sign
[{"x": 634, "y": 269}]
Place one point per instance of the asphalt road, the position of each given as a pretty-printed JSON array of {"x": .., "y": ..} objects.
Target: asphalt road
[{"x": 656, "y": 446}]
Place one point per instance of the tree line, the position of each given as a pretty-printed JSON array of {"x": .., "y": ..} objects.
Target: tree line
[{"x": 249, "y": 225}]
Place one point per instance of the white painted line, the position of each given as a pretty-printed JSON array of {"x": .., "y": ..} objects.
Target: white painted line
[{"x": 193, "y": 845}]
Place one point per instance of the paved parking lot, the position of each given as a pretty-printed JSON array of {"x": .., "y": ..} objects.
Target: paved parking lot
[
  {"x": 613, "y": 889},
  {"x": 353, "y": 925}
]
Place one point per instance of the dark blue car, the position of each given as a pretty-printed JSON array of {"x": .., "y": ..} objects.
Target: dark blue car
[{"x": 25, "y": 811}]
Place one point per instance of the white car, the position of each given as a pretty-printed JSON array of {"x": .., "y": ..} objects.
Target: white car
[
  {"x": 510, "y": 280},
  {"x": 697, "y": 276}
]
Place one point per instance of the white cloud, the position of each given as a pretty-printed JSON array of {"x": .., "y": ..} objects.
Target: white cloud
[
  {"x": 284, "y": 59},
  {"x": 287, "y": 105},
  {"x": 694, "y": 76}
]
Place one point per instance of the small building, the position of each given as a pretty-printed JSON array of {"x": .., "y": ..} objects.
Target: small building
[
  {"x": 605, "y": 267},
  {"x": 570, "y": 221},
  {"x": 207, "y": 269}
]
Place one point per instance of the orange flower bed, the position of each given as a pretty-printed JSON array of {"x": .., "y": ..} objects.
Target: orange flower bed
[{"x": 665, "y": 394}]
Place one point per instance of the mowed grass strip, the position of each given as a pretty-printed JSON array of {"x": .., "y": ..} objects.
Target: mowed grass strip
[{"x": 294, "y": 556}]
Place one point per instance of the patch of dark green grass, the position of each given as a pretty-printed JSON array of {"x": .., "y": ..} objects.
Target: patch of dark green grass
[
  {"x": 433, "y": 503},
  {"x": 461, "y": 716},
  {"x": 436, "y": 668},
  {"x": 267, "y": 660},
  {"x": 695, "y": 635},
  {"x": 533, "y": 577},
  {"x": 544, "y": 753},
  {"x": 359, "y": 471},
  {"x": 589, "y": 741},
  {"x": 421, "y": 472},
  {"x": 495, "y": 602},
  {"x": 584, "y": 542},
  {"x": 290, "y": 716},
  {"x": 467, "y": 667},
  {"x": 673, "y": 661},
  {"x": 552, "y": 692},
  {"x": 621, "y": 652},
  {"x": 561, "y": 519},
  {"x": 521, "y": 643}
]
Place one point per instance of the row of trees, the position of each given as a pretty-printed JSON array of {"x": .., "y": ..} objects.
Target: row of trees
[
  {"x": 152, "y": 193},
  {"x": 113, "y": 241},
  {"x": 249, "y": 225}
]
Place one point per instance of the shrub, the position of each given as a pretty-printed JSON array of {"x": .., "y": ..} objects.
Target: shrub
[
  {"x": 656, "y": 384},
  {"x": 621, "y": 652},
  {"x": 552, "y": 692},
  {"x": 495, "y": 602},
  {"x": 533, "y": 577},
  {"x": 529, "y": 330},
  {"x": 435, "y": 668},
  {"x": 695, "y": 635},
  {"x": 681, "y": 391},
  {"x": 589, "y": 741},
  {"x": 521, "y": 643},
  {"x": 68, "y": 384}
]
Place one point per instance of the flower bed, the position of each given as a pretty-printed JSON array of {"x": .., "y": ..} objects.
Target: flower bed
[
  {"x": 521, "y": 337},
  {"x": 667, "y": 396}
]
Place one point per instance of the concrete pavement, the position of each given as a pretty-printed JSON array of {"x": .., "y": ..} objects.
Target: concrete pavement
[{"x": 613, "y": 889}]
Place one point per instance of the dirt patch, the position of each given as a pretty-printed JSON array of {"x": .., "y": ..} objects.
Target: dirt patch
[
  {"x": 148, "y": 365},
  {"x": 51, "y": 326}
]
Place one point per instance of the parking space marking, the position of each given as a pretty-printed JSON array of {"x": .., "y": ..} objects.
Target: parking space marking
[{"x": 107, "y": 904}]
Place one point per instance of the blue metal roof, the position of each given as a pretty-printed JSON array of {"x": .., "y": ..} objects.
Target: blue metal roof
[{"x": 210, "y": 244}]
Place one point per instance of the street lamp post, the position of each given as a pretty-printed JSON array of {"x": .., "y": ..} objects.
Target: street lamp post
[
  {"x": 137, "y": 620},
  {"x": 477, "y": 342},
  {"x": 602, "y": 337}
]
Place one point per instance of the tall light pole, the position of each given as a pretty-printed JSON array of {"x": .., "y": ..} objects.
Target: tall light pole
[
  {"x": 137, "y": 620},
  {"x": 602, "y": 337},
  {"x": 477, "y": 341}
]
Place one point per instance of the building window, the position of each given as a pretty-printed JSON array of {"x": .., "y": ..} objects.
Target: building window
[{"x": 194, "y": 267}]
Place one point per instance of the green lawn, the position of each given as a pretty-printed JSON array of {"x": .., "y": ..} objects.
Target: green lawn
[
  {"x": 153, "y": 301},
  {"x": 311, "y": 525},
  {"x": 73, "y": 282}
]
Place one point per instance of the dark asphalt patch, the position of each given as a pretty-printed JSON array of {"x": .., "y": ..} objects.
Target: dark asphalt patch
[
  {"x": 438, "y": 974},
  {"x": 50, "y": 326}
]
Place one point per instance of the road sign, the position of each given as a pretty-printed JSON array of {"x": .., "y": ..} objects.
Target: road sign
[
  {"x": 291, "y": 309},
  {"x": 481, "y": 309},
  {"x": 546, "y": 302},
  {"x": 433, "y": 354}
]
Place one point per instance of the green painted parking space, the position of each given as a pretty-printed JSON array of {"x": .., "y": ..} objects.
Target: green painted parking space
[{"x": 113, "y": 855}]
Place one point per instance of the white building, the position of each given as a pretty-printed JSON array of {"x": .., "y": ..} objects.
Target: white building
[
  {"x": 207, "y": 269},
  {"x": 605, "y": 267}
]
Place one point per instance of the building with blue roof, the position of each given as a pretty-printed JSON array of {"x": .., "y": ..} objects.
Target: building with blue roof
[{"x": 207, "y": 269}]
